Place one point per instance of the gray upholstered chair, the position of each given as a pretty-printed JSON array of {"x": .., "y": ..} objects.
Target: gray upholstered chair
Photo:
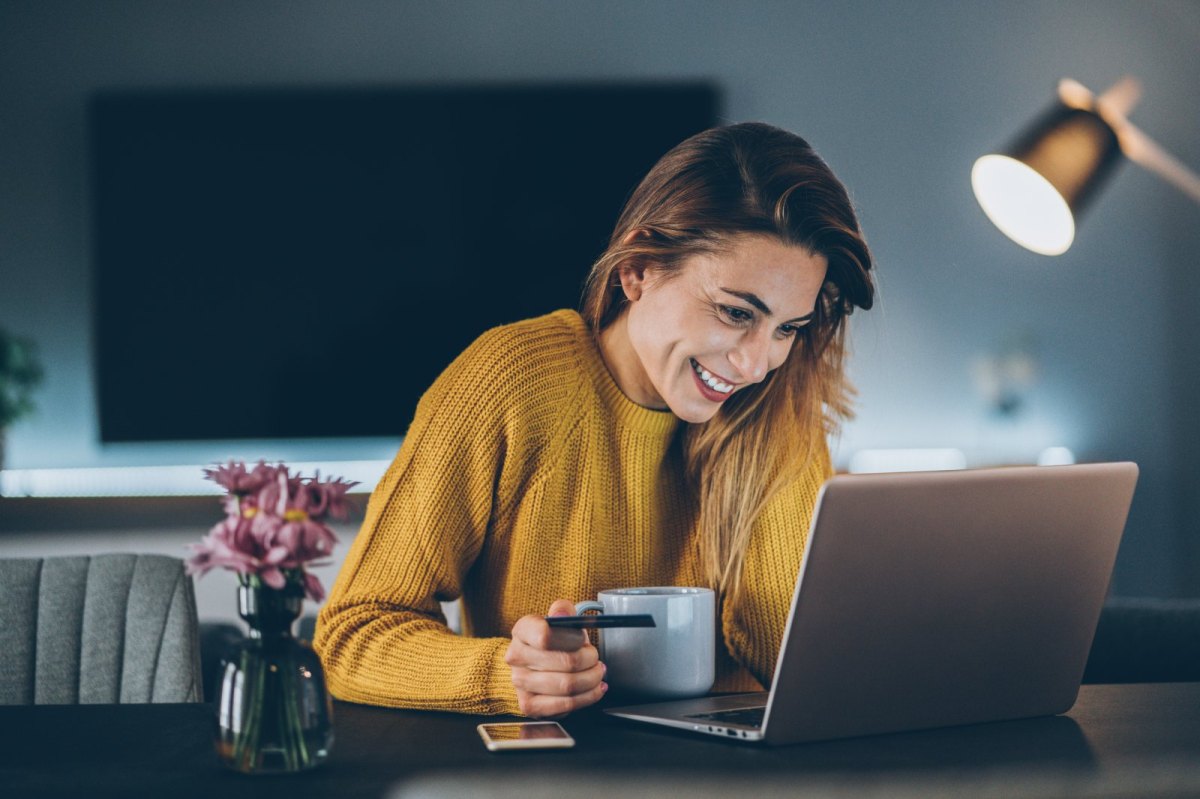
[
  {"x": 1145, "y": 639},
  {"x": 103, "y": 629}
]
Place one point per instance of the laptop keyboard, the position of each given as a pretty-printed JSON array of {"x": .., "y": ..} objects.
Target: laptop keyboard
[{"x": 746, "y": 716}]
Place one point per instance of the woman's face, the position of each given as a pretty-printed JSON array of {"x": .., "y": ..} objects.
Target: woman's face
[{"x": 722, "y": 323}]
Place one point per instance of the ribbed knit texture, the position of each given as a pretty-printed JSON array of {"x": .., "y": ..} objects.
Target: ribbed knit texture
[{"x": 527, "y": 476}]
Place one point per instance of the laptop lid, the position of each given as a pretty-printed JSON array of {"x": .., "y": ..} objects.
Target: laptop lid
[{"x": 942, "y": 598}]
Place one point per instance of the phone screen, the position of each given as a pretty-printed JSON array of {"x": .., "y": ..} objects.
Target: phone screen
[{"x": 525, "y": 735}]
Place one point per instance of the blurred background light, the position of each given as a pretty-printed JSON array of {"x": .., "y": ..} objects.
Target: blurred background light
[
  {"x": 907, "y": 460},
  {"x": 1056, "y": 456}
]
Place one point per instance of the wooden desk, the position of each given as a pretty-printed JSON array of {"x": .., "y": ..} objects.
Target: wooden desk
[{"x": 1114, "y": 731}]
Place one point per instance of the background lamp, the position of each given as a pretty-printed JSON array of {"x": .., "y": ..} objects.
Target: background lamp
[{"x": 1034, "y": 190}]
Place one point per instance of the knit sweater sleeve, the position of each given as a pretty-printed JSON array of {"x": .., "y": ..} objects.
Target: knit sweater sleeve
[
  {"x": 382, "y": 636},
  {"x": 754, "y": 624}
]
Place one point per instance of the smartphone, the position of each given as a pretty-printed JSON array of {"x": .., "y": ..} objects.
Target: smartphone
[{"x": 525, "y": 735}]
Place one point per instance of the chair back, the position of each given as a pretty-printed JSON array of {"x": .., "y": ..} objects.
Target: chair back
[{"x": 116, "y": 628}]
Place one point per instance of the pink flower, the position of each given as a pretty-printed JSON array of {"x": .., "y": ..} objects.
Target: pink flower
[
  {"x": 313, "y": 499},
  {"x": 272, "y": 496},
  {"x": 335, "y": 497},
  {"x": 321, "y": 499},
  {"x": 274, "y": 525},
  {"x": 229, "y": 545},
  {"x": 234, "y": 478},
  {"x": 295, "y": 541}
]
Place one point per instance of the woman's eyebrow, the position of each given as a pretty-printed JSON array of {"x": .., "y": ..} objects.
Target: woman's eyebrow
[{"x": 754, "y": 300}]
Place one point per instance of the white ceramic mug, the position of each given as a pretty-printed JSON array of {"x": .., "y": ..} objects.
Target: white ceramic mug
[{"x": 675, "y": 659}]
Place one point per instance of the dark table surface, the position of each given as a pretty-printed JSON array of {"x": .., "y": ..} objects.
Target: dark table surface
[{"x": 166, "y": 750}]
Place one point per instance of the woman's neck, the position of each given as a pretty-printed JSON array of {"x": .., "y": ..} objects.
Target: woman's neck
[{"x": 625, "y": 366}]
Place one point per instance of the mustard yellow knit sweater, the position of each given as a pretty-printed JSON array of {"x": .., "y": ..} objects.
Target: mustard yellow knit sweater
[{"x": 526, "y": 476}]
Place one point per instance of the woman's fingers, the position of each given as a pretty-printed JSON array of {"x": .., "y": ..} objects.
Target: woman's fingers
[
  {"x": 534, "y": 657},
  {"x": 542, "y": 706},
  {"x": 557, "y": 683},
  {"x": 561, "y": 607},
  {"x": 534, "y": 632}
]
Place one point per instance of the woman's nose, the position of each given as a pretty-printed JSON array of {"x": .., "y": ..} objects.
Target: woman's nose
[{"x": 750, "y": 356}]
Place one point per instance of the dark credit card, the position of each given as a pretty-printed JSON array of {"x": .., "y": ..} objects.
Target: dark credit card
[{"x": 602, "y": 620}]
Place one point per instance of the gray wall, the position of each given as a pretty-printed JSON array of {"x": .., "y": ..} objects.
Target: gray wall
[{"x": 899, "y": 97}]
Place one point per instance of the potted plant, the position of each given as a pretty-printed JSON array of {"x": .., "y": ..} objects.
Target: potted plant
[{"x": 20, "y": 374}]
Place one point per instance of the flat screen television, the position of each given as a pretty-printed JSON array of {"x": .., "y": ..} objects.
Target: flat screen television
[{"x": 304, "y": 263}]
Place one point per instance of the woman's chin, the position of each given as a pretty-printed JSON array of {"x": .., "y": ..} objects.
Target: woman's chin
[{"x": 696, "y": 412}]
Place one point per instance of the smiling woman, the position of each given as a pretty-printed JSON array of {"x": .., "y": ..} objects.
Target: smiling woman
[
  {"x": 670, "y": 433},
  {"x": 749, "y": 213}
]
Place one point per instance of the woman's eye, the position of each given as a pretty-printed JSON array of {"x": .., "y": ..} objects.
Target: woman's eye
[
  {"x": 788, "y": 331},
  {"x": 738, "y": 315}
]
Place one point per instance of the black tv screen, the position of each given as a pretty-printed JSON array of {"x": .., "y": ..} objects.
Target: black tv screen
[{"x": 304, "y": 263}]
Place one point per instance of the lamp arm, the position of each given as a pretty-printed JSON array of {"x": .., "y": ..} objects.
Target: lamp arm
[
  {"x": 1142, "y": 150},
  {"x": 1113, "y": 107}
]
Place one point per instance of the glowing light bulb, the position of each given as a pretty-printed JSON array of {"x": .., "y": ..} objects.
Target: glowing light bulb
[{"x": 1023, "y": 204}]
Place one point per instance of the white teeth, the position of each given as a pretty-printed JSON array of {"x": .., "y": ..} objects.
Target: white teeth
[{"x": 709, "y": 380}]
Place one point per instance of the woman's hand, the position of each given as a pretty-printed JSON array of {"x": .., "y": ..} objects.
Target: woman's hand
[{"x": 555, "y": 670}]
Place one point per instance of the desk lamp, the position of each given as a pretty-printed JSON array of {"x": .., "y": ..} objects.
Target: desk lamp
[{"x": 1034, "y": 190}]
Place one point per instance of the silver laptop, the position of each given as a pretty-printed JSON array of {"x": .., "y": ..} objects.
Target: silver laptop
[{"x": 933, "y": 599}]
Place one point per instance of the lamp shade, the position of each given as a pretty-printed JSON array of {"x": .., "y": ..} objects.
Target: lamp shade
[{"x": 1034, "y": 190}]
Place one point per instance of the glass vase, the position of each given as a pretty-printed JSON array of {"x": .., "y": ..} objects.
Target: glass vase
[{"x": 274, "y": 714}]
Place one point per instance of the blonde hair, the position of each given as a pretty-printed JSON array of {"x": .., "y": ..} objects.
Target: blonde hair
[{"x": 750, "y": 178}]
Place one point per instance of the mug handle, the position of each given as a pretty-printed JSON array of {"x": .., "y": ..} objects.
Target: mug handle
[{"x": 584, "y": 607}]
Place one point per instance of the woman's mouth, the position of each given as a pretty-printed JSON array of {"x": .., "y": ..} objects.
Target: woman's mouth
[{"x": 711, "y": 387}]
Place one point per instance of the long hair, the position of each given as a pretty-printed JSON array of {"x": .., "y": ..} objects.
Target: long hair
[{"x": 750, "y": 178}]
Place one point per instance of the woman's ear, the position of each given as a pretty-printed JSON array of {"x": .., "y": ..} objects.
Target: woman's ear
[
  {"x": 632, "y": 273},
  {"x": 633, "y": 279}
]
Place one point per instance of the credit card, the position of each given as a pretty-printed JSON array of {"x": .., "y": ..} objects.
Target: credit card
[{"x": 602, "y": 620}]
